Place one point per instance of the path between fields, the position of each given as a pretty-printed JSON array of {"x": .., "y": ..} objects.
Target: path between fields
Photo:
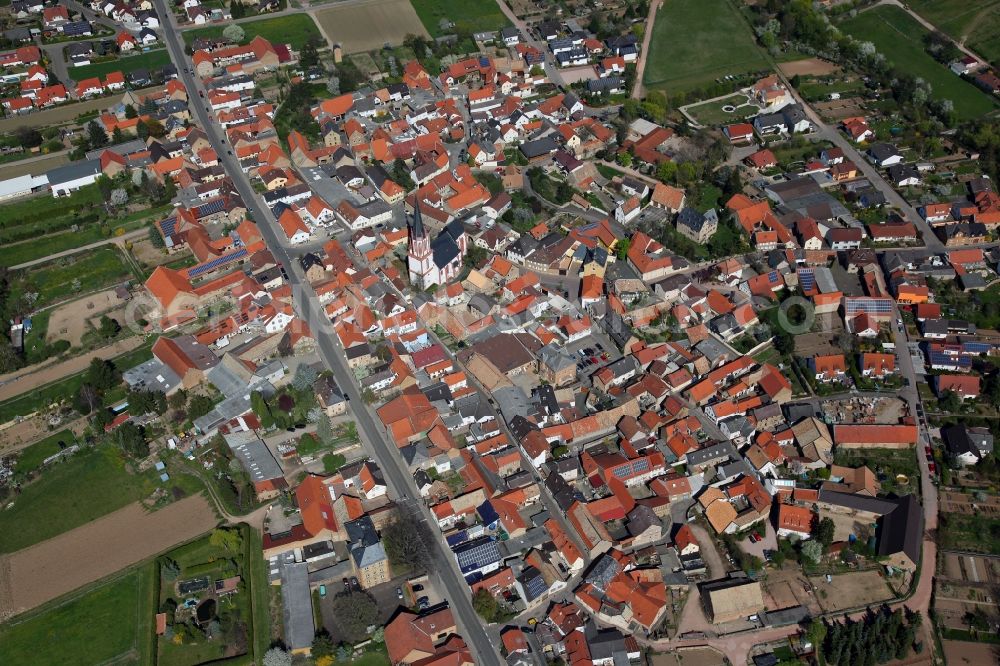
[
  {"x": 638, "y": 90},
  {"x": 927, "y": 24},
  {"x": 117, "y": 240},
  {"x": 52, "y": 568},
  {"x": 14, "y": 384}
]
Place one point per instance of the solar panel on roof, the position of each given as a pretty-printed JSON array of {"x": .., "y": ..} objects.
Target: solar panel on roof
[
  {"x": 807, "y": 279},
  {"x": 211, "y": 207},
  {"x": 169, "y": 225},
  {"x": 216, "y": 263},
  {"x": 535, "y": 588},
  {"x": 977, "y": 347}
]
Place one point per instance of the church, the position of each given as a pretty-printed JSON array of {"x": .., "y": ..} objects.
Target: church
[{"x": 438, "y": 261}]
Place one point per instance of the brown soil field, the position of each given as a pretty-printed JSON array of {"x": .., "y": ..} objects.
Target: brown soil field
[
  {"x": 36, "y": 167},
  {"x": 841, "y": 108},
  {"x": 809, "y": 66},
  {"x": 368, "y": 27},
  {"x": 63, "y": 114},
  {"x": 69, "y": 321},
  {"x": 959, "y": 653},
  {"x": 51, "y": 373},
  {"x": 696, "y": 656},
  {"x": 21, "y": 435},
  {"x": 32, "y": 576},
  {"x": 850, "y": 590}
]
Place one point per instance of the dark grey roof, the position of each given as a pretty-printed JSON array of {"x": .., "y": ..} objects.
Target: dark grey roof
[
  {"x": 877, "y": 505},
  {"x": 74, "y": 171},
  {"x": 901, "y": 529},
  {"x": 882, "y": 151},
  {"x": 607, "y": 83},
  {"x": 539, "y": 147}
]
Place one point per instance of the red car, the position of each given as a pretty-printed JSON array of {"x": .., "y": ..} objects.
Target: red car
[
  {"x": 932, "y": 468},
  {"x": 927, "y": 450}
]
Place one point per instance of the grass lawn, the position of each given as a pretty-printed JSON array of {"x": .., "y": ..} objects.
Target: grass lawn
[
  {"x": 91, "y": 484},
  {"x": 150, "y": 60},
  {"x": 294, "y": 29},
  {"x": 100, "y": 268},
  {"x": 104, "y": 623},
  {"x": 38, "y": 215},
  {"x": 697, "y": 41},
  {"x": 471, "y": 15},
  {"x": 25, "y": 251},
  {"x": 31, "y": 458},
  {"x": 711, "y": 113},
  {"x": 899, "y": 38},
  {"x": 66, "y": 388},
  {"x": 978, "y": 23}
]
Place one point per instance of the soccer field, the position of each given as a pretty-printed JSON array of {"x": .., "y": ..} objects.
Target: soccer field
[{"x": 696, "y": 42}]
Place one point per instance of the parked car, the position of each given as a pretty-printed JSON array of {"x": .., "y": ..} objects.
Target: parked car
[
  {"x": 417, "y": 588},
  {"x": 399, "y": 593},
  {"x": 322, "y": 591}
]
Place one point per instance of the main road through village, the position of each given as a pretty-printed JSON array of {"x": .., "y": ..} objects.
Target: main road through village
[{"x": 307, "y": 306}]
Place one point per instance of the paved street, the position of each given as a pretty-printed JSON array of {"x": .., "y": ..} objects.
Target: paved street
[
  {"x": 851, "y": 152},
  {"x": 307, "y": 306}
]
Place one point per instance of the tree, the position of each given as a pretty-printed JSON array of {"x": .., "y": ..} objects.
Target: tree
[
  {"x": 305, "y": 375},
  {"x": 199, "y": 405},
  {"x": 87, "y": 399},
  {"x": 949, "y": 402},
  {"x": 155, "y": 237},
  {"x": 308, "y": 57},
  {"x": 333, "y": 85},
  {"x": 277, "y": 657},
  {"x": 823, "y": 532},
  {"x": 234, "y": 33},
  {"x": 812, "y": 550},
  {"x": 237, "y": 10},
  {"x": 9, "y": 360},
  {"x": 324, "y": 430},
  {"x": 405, "y": 542},
  {"x": 117, "y": 136},
  {"x": 109, "y": 327},
  {"x": 154, "y": 127},
  {"x": 96, "y": 135},
  {"x": 130, "y": 112},
  {"x": 322, "y": 645},
  {"x": 102, "y": 374},
  {"x": 355, "y": 612},
  {"x": 105, "y": 185},
  {"x": 487, "y": 607},
  {"x": 29, "y": 137},
  {"x": 119, "y": 196},
  {"x": 784, "y": 344},
  {"x": 226, "y": 539},
  {"x": 131, "y": 439}
]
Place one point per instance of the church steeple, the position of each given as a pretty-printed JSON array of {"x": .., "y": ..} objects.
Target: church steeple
[{"x": 417, "y": 223}]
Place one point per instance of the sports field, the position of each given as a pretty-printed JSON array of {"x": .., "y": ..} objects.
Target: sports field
[
  {"x": 370, "y": 26},
  {"x": 899, "y": 37},
  {"x": 470, "y": 15},
  {"x": 110, "y": 622},
  {"x": 976, "y": 24},
  {"x": 695, "y": 42},
  {"x": 294, "y": 29}
]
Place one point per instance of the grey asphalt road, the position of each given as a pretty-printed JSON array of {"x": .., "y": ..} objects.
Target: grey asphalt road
[{"x": 307, "y": 306}]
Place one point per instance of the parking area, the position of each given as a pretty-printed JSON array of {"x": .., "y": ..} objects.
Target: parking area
[{"x": 387, "y": 598}]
